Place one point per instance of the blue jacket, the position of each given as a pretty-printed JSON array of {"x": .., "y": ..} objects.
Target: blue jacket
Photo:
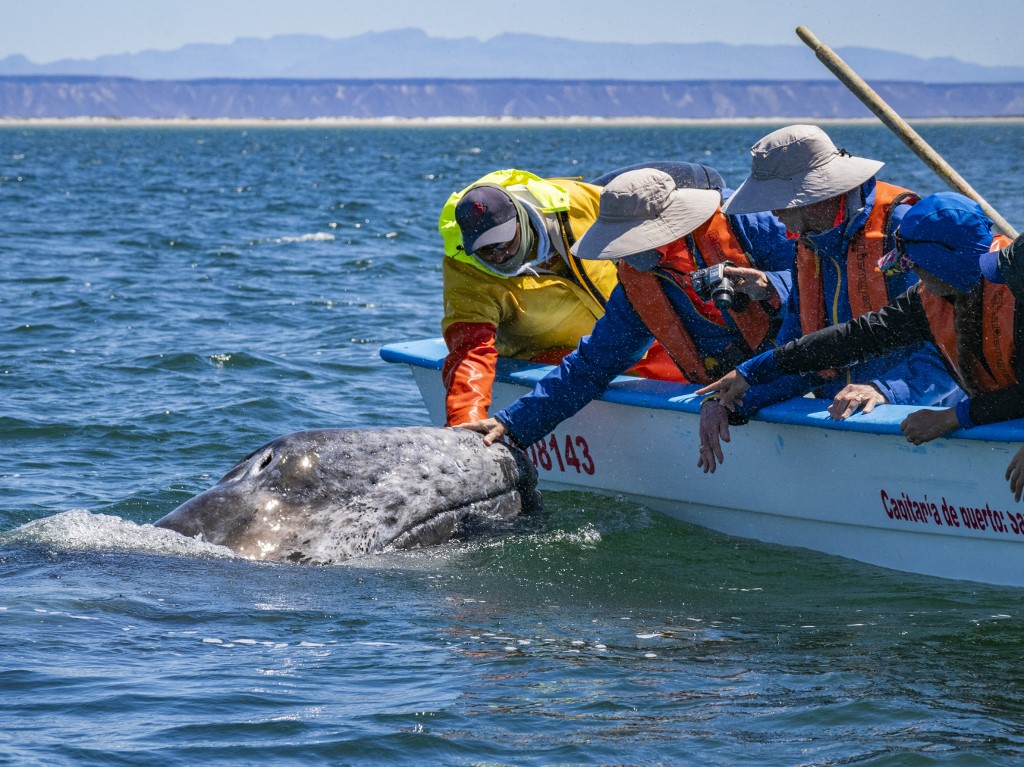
[
  {"x": 620, "y": 338},
  {"x": 915, "y": 376}
]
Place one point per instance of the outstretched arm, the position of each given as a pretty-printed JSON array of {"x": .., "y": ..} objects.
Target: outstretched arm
[
  {"x": 618, "y": 341},
  {"x": 468, "y": 371},
  {"x": 714, "y": 429},
  {"x": 728, "y": 389},
  {"x": 714, "y": 417}
]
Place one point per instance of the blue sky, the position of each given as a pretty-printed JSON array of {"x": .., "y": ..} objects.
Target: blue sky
[{"x": 979, "y": 31}]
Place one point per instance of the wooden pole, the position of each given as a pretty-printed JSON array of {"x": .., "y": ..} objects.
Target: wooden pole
[{"x": 899, "y": 126}]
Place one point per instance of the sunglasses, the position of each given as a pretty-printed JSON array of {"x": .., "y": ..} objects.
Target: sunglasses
[{"x": 488, "y": 252}]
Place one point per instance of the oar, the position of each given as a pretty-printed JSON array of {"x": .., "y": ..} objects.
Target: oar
[{"x": 899, "y": 126}]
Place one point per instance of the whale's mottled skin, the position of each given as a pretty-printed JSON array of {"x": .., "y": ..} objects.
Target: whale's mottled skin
[{"x": 327, "y": 495}]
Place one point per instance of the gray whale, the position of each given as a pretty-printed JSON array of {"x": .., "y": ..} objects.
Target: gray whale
[{"x": 327, "y": 495}]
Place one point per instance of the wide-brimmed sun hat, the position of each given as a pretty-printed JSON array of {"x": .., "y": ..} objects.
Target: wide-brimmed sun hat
[
  {"x": 796, "y": 166},
  {"x": 642, "y": 210}
]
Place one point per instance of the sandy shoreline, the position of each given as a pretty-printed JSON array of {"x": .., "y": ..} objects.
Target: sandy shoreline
[{"x": 406, "y": 122}]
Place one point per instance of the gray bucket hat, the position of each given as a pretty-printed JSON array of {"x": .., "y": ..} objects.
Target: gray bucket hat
[
  {"x": 796, "y": 166},
  {"x": 642, "y": 210}
]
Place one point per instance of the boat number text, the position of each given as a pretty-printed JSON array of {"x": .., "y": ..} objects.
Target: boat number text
[{"x": 564, "y": 453}]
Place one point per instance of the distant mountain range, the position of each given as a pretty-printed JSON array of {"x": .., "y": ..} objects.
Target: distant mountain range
[
  {"x": 411, "y": 53},
  {"x": 70, "y": 96}
]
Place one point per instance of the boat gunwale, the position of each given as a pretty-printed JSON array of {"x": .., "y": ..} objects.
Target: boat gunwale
[{"x": 677, "y": 397}]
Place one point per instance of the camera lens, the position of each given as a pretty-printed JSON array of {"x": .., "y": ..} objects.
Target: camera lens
[{"x": 723, "y": 294}]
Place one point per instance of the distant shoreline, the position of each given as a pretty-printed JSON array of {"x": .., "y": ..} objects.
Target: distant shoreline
[{"x": 481, "y": 122}]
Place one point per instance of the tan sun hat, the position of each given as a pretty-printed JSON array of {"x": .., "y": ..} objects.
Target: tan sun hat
[
  {"x": 642, "y": 210},
  {"x": 796, "y": 166}
]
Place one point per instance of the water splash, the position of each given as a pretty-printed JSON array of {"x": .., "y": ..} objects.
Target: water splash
[{"x": 81, "y": 530}]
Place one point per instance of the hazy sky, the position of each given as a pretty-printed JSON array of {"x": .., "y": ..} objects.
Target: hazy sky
[{"x": 979, "y": 31}]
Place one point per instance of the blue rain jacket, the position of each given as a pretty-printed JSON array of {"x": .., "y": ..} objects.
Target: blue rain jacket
[
  {"x": 914, "y": 376},
  {"x": 620, "y": 338}
]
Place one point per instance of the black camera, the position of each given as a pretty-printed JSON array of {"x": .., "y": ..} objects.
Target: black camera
[{"x": 711, "y": 284}]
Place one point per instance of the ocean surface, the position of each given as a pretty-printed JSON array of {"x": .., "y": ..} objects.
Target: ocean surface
[{"x": 173, "y": 297}]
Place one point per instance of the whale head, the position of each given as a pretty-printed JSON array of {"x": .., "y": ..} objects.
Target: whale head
[{"x": 327, "y": 495}]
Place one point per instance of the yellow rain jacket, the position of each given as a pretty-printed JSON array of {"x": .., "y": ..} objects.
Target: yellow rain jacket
[{"x": 537, "y": 317}]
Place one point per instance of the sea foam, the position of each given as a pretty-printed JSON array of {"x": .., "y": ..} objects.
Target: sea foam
[{"x": 81, "y": 530}]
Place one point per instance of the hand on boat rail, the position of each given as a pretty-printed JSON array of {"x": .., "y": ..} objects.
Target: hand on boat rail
[
  {"x": 853, "y": 398},
  {"x": 925, "y": 425},
  {"x": 728, "y": 389}
]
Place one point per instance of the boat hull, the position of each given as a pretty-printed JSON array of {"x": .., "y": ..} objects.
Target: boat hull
[{"x": 791, "y": 476}]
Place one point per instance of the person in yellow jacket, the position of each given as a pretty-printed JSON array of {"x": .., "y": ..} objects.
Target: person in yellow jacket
[{"x": 512, "y": 286}]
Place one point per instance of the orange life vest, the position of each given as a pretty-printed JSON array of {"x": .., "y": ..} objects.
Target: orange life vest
[
  {"x": 716, "y": 243},
  {"x": 865, "y": 284},
  {"x": 993, "y": 368}
]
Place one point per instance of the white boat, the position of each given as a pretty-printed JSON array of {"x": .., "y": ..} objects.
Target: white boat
[{"x": 791, "y": 476}]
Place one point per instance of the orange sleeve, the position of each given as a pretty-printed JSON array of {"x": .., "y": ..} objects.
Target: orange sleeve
[
  {"x": 658, "y": 365},
  {"x": 468, "y": 371}
]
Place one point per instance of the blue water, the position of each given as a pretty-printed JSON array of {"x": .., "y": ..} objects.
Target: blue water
[{"x": 173, "y": 297}]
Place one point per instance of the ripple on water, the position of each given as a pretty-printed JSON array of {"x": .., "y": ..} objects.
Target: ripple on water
[{"x": 178, "y": 296}]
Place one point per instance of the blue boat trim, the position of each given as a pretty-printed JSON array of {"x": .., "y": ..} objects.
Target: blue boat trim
[{"x": 661, "y": 395}]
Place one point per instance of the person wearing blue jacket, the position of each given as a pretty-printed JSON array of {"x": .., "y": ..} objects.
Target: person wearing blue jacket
[
  {"x": 974, "y": 321},
  {"x": 660, "y": 235},
  {"x": 843, "y": 220}
]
